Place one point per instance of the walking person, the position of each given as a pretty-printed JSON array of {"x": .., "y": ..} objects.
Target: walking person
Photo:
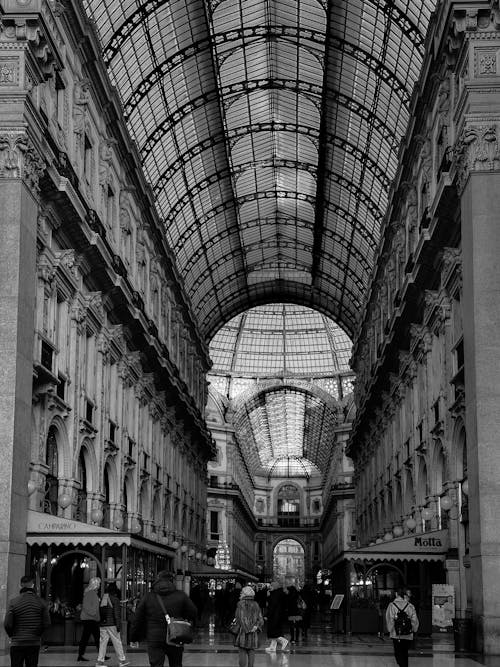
[
  {"x": 295, "y": 617},
  {"x": 110, "y": 627},
  {"x": 149, "y": 620},
  {"x": 276, "y": 616},
  {"x": 26, "y": 620},
  {"x": 89, "y": 617},
  {"x": 402, "y": 622},
  {"x": 249, "y": 621}
]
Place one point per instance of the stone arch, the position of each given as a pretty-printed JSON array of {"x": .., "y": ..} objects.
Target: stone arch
[
  {"x": 459, "y": 449},
  {"x": 63, "y": 446},
  {"x": 128, "y": 493},
  {"x": 145, "y": 500},
  {"x": 289, "y": 569},
  {"x": 422, "y": 486},
  {"x": 112, "y": 474},
  {"x": 409, "y": 493},
  {"x": 157, "y": 511},
  {"x": 92, "y": 469},
  {"x": 438, "y": 470}
]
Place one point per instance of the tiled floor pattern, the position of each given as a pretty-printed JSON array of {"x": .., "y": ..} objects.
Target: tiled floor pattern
[{"x": 322, "y": 649}]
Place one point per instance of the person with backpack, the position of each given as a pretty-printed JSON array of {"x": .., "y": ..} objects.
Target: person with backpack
[{"x": 402, "y": 622}]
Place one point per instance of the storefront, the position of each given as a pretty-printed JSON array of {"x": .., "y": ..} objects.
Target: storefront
[
  {"x": 64, "y": 554},
  {"x": 368, "y": 578}
]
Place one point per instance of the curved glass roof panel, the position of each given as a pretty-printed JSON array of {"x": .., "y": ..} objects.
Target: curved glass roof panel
[
  {"x": 274, "y": 122},
  {"x": 286, "y": 430},
  {"x": 280, "y": 340}
]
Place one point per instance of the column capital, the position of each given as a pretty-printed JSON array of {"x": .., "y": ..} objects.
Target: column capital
[{"x": 20, "y": 158}]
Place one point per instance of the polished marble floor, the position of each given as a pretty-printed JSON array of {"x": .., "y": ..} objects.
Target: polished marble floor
[{"x": 322, "y": 649}]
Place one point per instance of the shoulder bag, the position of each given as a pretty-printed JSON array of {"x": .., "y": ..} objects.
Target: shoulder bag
[{"x": 179, "y": 631}]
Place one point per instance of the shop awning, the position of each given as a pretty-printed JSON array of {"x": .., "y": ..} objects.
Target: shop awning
[
  {"x": 430, "y": 546},
  {"x": 48, "y": 529}
]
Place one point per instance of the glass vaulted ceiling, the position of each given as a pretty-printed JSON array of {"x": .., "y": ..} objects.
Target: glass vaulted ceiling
[
  {"x": 269, "y": 131},
  {"x": 284, "y": 367}
]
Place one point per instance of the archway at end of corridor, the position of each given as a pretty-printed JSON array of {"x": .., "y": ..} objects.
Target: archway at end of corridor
[{"x": 289, "y": 563}]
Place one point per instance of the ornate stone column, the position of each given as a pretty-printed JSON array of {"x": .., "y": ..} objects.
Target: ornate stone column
[
  {"x": 478, "y": 168},
  {"x": 28, "y": 45}
]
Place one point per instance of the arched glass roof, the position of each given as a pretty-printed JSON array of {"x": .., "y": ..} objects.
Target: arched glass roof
[
  {"x": 285, "y": 431},
  {"x": 280, "y": 340},
  {"x": 269, "y": 131}
]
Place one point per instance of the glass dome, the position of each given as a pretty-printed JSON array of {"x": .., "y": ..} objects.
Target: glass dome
[{"x": 280, "y": 340}]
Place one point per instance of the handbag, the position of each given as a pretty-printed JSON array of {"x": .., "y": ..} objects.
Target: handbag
[
  {"x": 234, "y": 627},
  {"x": 179, "y": 631}
]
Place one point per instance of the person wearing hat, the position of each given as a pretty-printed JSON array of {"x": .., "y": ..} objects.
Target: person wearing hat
[
  {"x": 249, "y": 622},
  {"x": 149, "y": 621}
]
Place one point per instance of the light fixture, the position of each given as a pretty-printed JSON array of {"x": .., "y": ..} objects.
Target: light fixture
[
  {"x": 32, "y": 487},
  {"x": 198, "y": 555},
  {"x": 427, "y": 514},
  {"x": 64, "y": 500},
  {"x": 465, "y": 487},
  {"x": 175, "y": 545},
  {"x": 96, "y": 515},
  {"x": 371, "y": 544},
  {"x": 388, "y": 537},
  {"x": 446, "y": 503},
  {"x": 135, "y": 526},
  {"x": 379, "y": 540},
  {"x": 411, "y": 524},
  {"x": 397, "y": 531},
  {"x": 191, "y": 553},
  {"x": 184, "y": 548},
  {"x": 118, "y": 521}
]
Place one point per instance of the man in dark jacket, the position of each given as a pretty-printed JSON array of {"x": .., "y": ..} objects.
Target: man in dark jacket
[
  {"x": 26, "y": 620},
  {"x": 149, "y": 621}
]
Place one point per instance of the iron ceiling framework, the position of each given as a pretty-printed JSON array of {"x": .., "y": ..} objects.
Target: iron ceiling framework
[
  {"x": 287, "y": 431},
  {"x": 269, "y": 131}
]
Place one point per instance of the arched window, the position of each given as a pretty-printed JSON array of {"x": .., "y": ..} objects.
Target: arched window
[
  {"x": 81, "y": 503},
  {"x": 289, "y": 506},
  {"x": 51, "y": 480}
]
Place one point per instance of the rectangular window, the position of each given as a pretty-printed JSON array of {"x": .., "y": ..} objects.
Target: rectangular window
[
  {"x": 110, "y": 207},
  {"x": 112, "y": 431},
  {"x": 214, "y": 525},
  {"x": 61, "y": 388},
  {"x": 46, "y": 355}
]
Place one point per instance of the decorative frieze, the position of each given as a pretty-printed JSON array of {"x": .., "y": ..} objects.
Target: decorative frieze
[{"x": 476, "y": 150}]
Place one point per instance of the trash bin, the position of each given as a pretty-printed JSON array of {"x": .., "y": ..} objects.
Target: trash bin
[{"x": 462, "y": 631}]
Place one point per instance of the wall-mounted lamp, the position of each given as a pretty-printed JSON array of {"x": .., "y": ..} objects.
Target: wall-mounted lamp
[{"x": 64, "y": 500}]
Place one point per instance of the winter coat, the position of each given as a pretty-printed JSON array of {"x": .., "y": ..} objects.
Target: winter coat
[
  {"x": 110, "y": 611},
  {"x": 293, "y": 609},
  {"x": 276, "y": 613},
  {"x": 249, "y": 618},
  {"x": 149, "y": 621},
  {"x": 90, "y": 606},
  {"x": 392, "y": 612},
  {"x": 26, "y": 619}
]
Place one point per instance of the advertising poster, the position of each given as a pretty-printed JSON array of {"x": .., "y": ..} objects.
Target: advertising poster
[{"x": 443, "y": 607}]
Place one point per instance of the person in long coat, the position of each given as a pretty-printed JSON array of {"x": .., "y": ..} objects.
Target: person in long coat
[
  {"x": 90, "y": 617},
  {"x": 249, "y": 621},
  {"x": 276, "y": 617}
]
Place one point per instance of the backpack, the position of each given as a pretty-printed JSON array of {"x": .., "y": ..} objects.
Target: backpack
[{"x": 402, "y": 622}]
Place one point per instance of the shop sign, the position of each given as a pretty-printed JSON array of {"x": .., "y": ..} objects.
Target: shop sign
[
  {"x": 431, "y": 542},
  {"x": 39, "y": 522},
  {"x": 443, "y": 607}
]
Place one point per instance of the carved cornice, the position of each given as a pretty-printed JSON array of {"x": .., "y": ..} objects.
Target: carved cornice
[{"x": 34, "y": 23}]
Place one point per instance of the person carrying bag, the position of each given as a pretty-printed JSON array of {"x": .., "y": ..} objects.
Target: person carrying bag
[
  {"x": 150, "y": 621},
  {"x": 248, "y": 622}
]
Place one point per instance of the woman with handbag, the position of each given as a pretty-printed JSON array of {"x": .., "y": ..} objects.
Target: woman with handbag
[
  {"x": 150, "y": 623},
  {"x": 248, "y": 622}
]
